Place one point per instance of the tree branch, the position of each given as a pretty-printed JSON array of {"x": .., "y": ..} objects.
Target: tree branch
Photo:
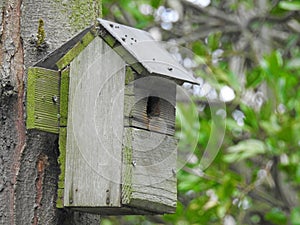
[{"x": 213, "y": 12}]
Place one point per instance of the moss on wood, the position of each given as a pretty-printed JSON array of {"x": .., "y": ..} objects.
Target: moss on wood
[
  {"x": 129, "y": 76},
  {"x": 70, "y": 55},
  {"x": 61, "y": 162},
  {"x": 64, "y": 96},
  {"x": 127, "y": 167},
  {"x": 41, "y": 36},
  {"x": 81, "y": 13},
  {"x": 43, "y": 100}
]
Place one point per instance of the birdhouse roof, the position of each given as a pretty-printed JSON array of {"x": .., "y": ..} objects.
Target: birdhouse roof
[
  {"x": 150, "y": 53},
  {"x": 140, "y": 45}
]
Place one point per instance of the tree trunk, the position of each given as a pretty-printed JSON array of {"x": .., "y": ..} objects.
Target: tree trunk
[{"x": 28, "y": 159}]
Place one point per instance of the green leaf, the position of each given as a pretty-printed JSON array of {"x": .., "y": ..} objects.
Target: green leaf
[
  {"x": 248, "y": 145},
  {"x": 188, "y": 183},
  {"x": 271, "y": 126},
  {"x": 245, "y": 149},
  {"x": 156, "y": 3},
  {"x": 213, "y": 41},
  {"x": 295, "y": 216},
  {"x": 250, "y": 117},
  {"x": 199, "y": 48},
  {"x": 291, "y": 6},
  {"x": 255, "y": 77},
  {"x": 255, "y": 219},
  {"x": 276, "y": 216}
]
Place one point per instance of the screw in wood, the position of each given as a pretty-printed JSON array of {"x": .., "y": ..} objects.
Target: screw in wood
[
  {"x": 134, "y": 163},
  {"x": 54, "y": 99},
  {"x": 107, "y": 197},
  {"x": 174, "y": 172}
]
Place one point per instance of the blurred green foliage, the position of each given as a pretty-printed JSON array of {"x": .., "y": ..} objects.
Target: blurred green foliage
[{"x": 255, "y": 177}]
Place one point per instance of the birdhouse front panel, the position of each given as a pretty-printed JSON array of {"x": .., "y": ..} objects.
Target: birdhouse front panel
[{"x": 94, "y": 134}]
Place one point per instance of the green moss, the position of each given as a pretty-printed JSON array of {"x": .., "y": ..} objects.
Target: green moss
[
  {"x": 62, "y": 165},
  {"x": 41, "y": 36},
  {"x": 81, "y": 13},
  {"x": 129, "y": 77},
  {"x": 110, "y": 40},
  {"x": 127, "y": 162},
  {"x": 62, "y": 155},
  {"x": 60, "y": 198},
  {"x": 70, "y": 55},
  {"x": 64, "y": 96},
  {"x": 42, "y": 110}
]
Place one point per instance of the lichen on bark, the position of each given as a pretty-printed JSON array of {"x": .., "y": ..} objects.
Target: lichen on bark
[
  {"x": 19, "y": 194},
  {"x": 41, "y": 36},
  {"x": 81, "y": 13}
]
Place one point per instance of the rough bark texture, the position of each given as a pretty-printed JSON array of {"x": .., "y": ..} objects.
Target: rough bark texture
[{"x": 28, "y": 160}]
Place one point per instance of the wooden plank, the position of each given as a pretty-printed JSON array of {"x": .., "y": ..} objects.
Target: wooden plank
[
  {"x": 43, "y": 100},
  {"x": 95, "y": 128},
  {"x": 136, "y": 116},
  {"x": 137, "y": 102},
  {"x": 149, "y": 179},
  {"x": 117, "y": 211},
  {"x": 64, "y": 97},
  {"x": 62, "y": 164}
]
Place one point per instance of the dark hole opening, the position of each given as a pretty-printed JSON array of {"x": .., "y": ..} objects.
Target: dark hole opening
[{"x": 153, "y": 106}]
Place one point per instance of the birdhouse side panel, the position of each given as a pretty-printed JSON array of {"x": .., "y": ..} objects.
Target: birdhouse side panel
[
  {"x": 149, "y": 103},
  {"x": 149, "y": 171},
  {"x": 95, "y": 128}
]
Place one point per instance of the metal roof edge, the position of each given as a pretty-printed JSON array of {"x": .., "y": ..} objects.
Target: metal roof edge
[{"x": 109, "y": 25}]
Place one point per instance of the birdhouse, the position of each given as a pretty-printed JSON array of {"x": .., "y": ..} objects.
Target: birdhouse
[{"x": 110, "y": 95}]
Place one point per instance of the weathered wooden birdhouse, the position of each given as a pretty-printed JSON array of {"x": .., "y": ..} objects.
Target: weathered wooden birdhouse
[{"x": 110, "y": 94}]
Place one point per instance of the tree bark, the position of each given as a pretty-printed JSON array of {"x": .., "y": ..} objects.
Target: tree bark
[{"x": 28, "y": 159}]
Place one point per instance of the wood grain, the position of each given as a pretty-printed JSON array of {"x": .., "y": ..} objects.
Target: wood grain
[
  {"x": 149, "y": 180},
  {"x": 43, "y": 100},
  {"x": 94, "y": 136},
  {"x": 138, "y": 91}
]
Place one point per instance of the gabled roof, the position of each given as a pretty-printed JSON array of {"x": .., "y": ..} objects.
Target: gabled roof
[{"x": 142, "y": 49}]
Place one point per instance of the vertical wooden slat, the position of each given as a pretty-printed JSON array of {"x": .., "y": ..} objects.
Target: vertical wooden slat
[
  {"x": 62, "y": 163},
  {"x": 95, "y": 128},
  {"x": 64, "y": 97}
]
